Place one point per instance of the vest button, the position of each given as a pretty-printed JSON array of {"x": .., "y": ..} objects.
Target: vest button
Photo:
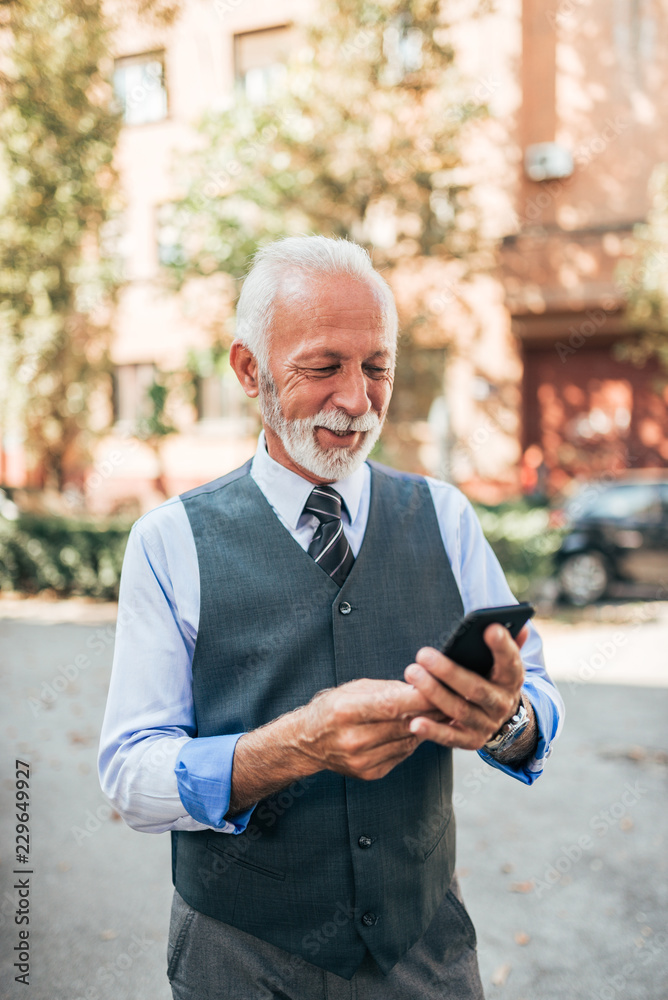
[
  {"x": 365, "y": 841},
  {"x": 345, "y": 608},
  {"x": 369, "y": 919}
]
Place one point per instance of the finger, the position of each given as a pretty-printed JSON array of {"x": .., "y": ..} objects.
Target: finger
[
  {"x": 367, "y": 700},
  {"x": 393, "y": 700},
  {"x": 522, "y": 636},
  {"x": 368, "y": 736},
  {"x": 389, "y": 753},
  {"x": 508, "y": 669},
  {"x": 447, "y": 735},
  {"x": 397, "y": 750},
  {"x": 379, "y": 734},
  {"x": 465, "y": 713},
  {"x": 460, "y": 682},
  {"x": 436, "y": 715}
]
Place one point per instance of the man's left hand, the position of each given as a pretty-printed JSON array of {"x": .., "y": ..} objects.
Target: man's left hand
[{"x": 476, "y": 707}]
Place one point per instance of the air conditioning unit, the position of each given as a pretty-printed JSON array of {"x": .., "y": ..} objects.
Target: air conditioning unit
[{"x": 547, "y": 161}]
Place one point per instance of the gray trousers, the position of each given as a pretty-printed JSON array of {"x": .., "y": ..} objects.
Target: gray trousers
[{"x": 210, "y": 960}]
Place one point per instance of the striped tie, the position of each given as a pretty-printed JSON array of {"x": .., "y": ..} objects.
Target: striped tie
[{"x": 329, "y": 546}]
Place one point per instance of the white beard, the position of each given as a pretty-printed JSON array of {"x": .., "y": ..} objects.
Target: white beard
[{"x": 299, "y": 440}]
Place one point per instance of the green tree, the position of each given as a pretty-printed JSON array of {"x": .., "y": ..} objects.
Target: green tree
[
  {"x": 158, "y": 11},
  {"x": 58, "y": 130},
  {"x": 362, "y": 138},
  {"x": 157, "y": 424},
  {"x": 644, "y": 280}
]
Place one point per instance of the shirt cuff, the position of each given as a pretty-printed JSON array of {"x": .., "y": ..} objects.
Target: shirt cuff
[
  {"x": 204, "y": 781},
  {"x": 528, "y": 770}
]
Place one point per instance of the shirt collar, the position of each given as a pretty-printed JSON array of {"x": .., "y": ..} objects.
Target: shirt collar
[{"x": 287, "y": 492}]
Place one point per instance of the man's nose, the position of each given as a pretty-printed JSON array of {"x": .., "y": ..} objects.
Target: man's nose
[{"x": 351, "y": 394}]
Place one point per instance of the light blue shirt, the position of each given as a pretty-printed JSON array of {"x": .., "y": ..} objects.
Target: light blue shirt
[{"x": 153, "y": 767}]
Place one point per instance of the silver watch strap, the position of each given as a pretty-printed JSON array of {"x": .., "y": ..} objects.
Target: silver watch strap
[{"x": 510, "y": 730}]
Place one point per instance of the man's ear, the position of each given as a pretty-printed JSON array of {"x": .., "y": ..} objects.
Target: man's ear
[{"x": 245, "y": 367}]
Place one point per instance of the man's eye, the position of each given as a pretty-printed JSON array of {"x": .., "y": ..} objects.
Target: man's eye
[
  {"x": 329, "y": 368},
  {"x": 376, "y": 371}
]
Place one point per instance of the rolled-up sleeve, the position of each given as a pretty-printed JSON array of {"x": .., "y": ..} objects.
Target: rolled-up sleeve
[
  {"x": 482, "y": 583},
  {"x": 152, "y": 766},
  {"x": 548, "y": 709},
  {"x": 204, "y": 778}
]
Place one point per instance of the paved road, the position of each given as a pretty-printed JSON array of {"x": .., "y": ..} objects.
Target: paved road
[{"x": 566, "y": 881}]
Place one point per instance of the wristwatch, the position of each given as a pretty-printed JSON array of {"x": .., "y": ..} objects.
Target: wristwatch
[{"x": 509, "y": 731}]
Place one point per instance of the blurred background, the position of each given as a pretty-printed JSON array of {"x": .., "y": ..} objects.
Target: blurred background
[{"x": 506, "y": 165}]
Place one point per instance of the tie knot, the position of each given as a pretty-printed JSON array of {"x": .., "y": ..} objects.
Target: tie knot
[{"x": 325, "y": 503}]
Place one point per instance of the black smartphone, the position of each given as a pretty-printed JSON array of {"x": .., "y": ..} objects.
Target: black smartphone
[{"x": 466, "y": 645}]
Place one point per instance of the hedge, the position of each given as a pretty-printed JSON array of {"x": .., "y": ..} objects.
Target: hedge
[
  {"x": 524, "y": 543},
  {"x": 77, "y": 557},
  {"x": 63, "y": 555}
]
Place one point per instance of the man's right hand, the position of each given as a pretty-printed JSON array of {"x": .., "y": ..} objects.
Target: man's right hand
[{"x": 361, "y": 729}]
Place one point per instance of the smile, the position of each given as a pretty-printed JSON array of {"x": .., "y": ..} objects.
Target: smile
[{"x": 339, "y": 434}]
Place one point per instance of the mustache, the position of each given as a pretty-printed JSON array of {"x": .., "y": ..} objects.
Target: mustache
[{"x": 342, "y": 422}]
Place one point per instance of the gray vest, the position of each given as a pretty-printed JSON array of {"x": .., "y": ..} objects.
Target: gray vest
[{"x": 331, "y": 865}]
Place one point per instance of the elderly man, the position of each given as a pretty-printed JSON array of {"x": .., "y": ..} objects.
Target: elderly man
[{"x": 278, "y": 700}]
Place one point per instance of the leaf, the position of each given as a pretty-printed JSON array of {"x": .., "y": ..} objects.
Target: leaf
[
  {"x": 501, "y": 974},
  {"x": 527, "y": 886}
]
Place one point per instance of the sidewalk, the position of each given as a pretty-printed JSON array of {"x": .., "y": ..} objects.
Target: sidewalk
[{"x": 566, "y": 880}]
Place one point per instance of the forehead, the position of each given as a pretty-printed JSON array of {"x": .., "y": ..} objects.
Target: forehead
[{"x": 314, "y": 313}]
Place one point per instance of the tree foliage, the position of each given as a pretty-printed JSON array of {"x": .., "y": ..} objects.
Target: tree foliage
[
  {"x": 58, "y": 130},
  {"x": 161, "y": 12},
  {"x": 644, "y": 280},
  {"x": 362, "y": 139}
]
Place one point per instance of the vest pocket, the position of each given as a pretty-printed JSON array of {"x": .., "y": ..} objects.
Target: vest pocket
[
  {"x": 438, "y": 834},
  {"x": 235, "y": 858}
]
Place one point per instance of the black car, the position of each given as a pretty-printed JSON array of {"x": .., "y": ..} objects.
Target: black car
[{"x": 616, "y": 540}]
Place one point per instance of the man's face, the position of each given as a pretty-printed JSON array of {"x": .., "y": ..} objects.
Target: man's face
[{"x": 331, "y": 367}]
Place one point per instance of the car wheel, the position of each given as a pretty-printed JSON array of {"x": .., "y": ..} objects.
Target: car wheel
[{"x": 584, "y": 577}]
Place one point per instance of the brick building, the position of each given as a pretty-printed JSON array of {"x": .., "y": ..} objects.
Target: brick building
[
  {"x": 593, "y": 79},
  {"x": 578, "y": 123}
]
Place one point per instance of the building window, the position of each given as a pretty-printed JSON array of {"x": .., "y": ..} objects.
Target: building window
[
  {"x": 168, "y": 236},
  {"x": 220, "y": 397},
  {"x": 259, "y": 61},
  {"x": 139, "y": 85},
  {"x": 131, "y": 400}
]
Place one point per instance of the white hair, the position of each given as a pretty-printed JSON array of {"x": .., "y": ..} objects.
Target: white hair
[{"x": 311, "y": 256}]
